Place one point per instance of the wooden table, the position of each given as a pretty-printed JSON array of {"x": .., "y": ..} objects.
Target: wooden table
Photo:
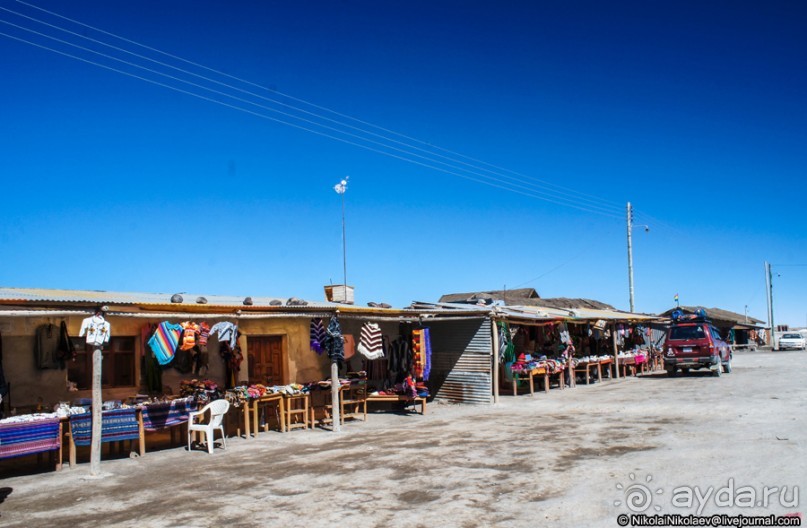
[
  {"x": 399, "y": 398},
  {"x": 586, "y": 366},
  {"x": 294, "y": 405},
  {"x": 537, "y": 371},
  {"x": 118, "y": 430},
  {"x": 251, "y": 406},
  {"x": 608, "y": 364},
  {"x": 630, "y": 363},
  {"x": 34, "y": 437}
]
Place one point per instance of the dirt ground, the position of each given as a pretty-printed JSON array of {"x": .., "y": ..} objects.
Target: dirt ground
[{"x": 556, "y": 459}]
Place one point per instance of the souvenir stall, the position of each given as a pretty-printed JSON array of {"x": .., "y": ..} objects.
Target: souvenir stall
[
  {"x": 635, "y": 348},
  {"x": 593, "y": 351},
  {"x": 532, "y": 345},
  {"x": 381, "y": 359},
  {"x": 32, "y": 434},
  {"x": 260, "y": 407}
]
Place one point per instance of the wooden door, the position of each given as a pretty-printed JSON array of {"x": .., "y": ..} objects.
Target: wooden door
[{"x": 266, "y": 360}]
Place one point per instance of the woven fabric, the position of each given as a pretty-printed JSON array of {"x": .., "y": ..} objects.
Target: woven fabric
[
  {"x": 164, "y": 342},
  {"x": 371, "y": 341},
  {"x": 116, "y": 425},
  {"x": 418, "y": 354},
  {"x": 334, "y": 342},
  {"x": 158, "y": 416},
  {"x": 317, "y": 335},
  {"x": 427, "y": 350},
  {"x": 25, "y": 438}
]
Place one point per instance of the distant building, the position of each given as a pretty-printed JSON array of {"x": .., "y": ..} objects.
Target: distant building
[{"x": 522, "y": 297}]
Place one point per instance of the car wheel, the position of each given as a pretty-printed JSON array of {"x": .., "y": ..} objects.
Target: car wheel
[
  {"x": 718, "y": 371},
  {"x": 727, "y": 366},
  {"x": 672, "y": 371}
]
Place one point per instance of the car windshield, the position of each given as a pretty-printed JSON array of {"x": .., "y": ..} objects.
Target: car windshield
[
  {"x": 687, "y": 332},
  {"x": 791, "y": 336}
]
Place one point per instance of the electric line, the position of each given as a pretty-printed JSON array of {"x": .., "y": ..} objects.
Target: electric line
[
  {"x": 242, "y": 100},
  {"x": 294, "y": 125},
  {"x": 596, "y": 202},
  {"x": 552, "y": 270}
]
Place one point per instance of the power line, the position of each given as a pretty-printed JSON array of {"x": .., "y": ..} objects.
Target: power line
[
  {"x": 593, "y": 201},
  {"x": 294, "y": 125},
  {"x": 551, "y": 271},
  {"x": 505, "y": 185}
]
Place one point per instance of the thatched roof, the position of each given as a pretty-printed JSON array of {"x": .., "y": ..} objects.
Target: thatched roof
[
  {"x": 524, "y": 297},
  {"x": 717, "y": 315}
]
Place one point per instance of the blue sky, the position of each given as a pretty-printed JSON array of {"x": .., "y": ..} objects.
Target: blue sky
[{"x": 693, "y": 111}]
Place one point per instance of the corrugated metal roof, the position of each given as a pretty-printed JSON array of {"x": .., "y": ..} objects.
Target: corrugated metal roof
[
  {"x": 540, "y": 312},
  {"x": 51, "y": 298},
  {"x": 43, "y": 295}
]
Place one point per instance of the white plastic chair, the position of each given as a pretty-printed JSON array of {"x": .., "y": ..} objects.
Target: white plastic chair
[{"x": 217, "y": 410}]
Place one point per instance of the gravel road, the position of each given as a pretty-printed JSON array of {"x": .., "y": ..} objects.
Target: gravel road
[{"x": 559, "y": 459}]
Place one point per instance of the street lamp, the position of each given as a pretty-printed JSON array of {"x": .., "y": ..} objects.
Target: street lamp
[
  {"x": 630, "y": 252},
  {"x": 340, "y": 189}
]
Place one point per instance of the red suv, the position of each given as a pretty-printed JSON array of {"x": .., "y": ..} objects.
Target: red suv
[{"x": 693, "y": 343}]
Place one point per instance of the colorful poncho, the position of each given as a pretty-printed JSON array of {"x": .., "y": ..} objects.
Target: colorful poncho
[{"x": 164, "y": 342}]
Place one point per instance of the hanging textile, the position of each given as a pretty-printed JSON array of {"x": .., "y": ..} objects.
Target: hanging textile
[
  {"x": 164, "y": 342},
  {"x": 418, "y": 353},
  {"x": 350, "y": 346},
  {"x": 507, "y": 350},
  {"x": 47, "y": 341},
  {"x": 189, "y": 333},
  {"x": 400, "y": 358},
  {"x": 3, "y": 383},
  {"x": 370, "y": 341},
  {"x": 66, "y": 350},
  {"x": 427, "y": 350},
  {"x": 334, "y": 342},
  {"x": 317, "y": 335},
  {"x": 152, "y": 373},
  {"x": 97, "y": 330},
  {"x": 204, "y": 333},
  {"x": 227, "y": 332}
]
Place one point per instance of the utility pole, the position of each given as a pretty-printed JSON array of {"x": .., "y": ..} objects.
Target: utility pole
[
  {"x": 773, "y": 324},
  {"x": 769, "y": 283},
  {"x": 630, "y": 256}
]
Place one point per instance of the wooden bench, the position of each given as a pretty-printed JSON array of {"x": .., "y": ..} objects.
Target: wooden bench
[{"x": 399, "y": 398}]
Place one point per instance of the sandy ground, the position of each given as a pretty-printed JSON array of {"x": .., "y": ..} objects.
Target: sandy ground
[{"x": 554, "y": 459}]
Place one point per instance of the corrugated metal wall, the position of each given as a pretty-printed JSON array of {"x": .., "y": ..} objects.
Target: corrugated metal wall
[{"x": 461, "y": 360}]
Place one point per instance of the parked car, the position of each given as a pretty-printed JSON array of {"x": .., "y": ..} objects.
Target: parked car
[
  {"x": 694, "y": 343},
  {"x": 792, "y": 342}
]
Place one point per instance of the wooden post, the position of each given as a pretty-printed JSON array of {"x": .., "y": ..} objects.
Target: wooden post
[
  {"x": 335, "y": 386},
  {"x": 616, "y": 351},
  {"x": 496, "y": 365},
  {"x": 97, "y": 408}
]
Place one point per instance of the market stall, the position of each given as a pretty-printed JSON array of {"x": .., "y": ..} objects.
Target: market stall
[{"x": 31, "y": 434}]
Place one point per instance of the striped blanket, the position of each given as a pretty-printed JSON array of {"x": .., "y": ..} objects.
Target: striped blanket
[
  {"x": 161, "y": 415},
  {"x": 119, "y": 424},
  {"x": 25, "y": 438}
]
